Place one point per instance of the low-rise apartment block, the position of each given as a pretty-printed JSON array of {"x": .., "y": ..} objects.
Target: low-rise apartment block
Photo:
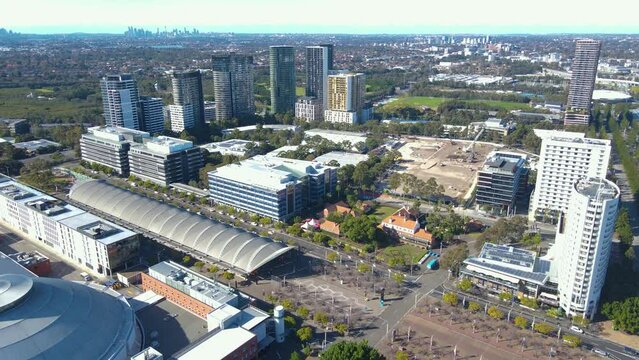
[
  {"x": 85, "y": 239},
  {"x": 309, "y": 108}
]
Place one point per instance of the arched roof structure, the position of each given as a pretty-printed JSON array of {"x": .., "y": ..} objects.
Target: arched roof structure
[{"x": 238, "y": 248}]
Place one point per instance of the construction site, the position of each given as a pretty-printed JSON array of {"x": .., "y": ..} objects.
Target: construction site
[{"x": 453, "y": 163}]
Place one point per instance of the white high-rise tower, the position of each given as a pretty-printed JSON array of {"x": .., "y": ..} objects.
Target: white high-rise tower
[
  {"x": 585, "y": 237},
  {"x": 565, "y": 157}
]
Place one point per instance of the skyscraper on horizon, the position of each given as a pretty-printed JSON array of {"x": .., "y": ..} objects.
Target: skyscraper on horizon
[
  {"x": 330, "y": 48},
  {"x": 584, "y": 237},
  {"x": 317, "y": 73},
  {"x": 233, "y": 85},
  {"x": 120, "y": 101},
  {"x": 565, "y": 157},
  {"x": 582, "y": 81},
  {"x": 187, "y": 90},
  {"x": 282, "y": 69}
]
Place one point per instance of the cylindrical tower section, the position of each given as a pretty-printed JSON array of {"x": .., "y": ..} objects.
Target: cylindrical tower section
[
  {"x": 587, "y": 240},
  {"x": 278, "y": 315}
]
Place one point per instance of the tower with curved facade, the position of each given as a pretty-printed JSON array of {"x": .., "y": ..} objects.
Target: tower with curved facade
[{"x": 233, "y": 85}]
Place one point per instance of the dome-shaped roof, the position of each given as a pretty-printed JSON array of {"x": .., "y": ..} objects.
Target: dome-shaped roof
[{"x": 44, "y": 318}]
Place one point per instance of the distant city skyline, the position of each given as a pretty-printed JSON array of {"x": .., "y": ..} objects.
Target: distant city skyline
[{"x": 247, "y": 16}]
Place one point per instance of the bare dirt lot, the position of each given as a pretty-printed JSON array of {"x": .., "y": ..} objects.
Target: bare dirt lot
[{"x": 451, "y": 163}]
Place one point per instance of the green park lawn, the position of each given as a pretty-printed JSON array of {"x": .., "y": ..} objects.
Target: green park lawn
[
  {"x": 15, "y": 104},
  {"x": 434, "y": 102},
  {"x": 300, "y": 91},
  {"x": 381, "y": 212},
  {"x": 411, "y": 253}
]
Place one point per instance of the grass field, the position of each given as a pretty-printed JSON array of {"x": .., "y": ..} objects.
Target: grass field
[
  {"x": 410, "y": 252},
  {"x": 434, "y": 102},
  {"x": 381, "y": 212},
  {"x": 15, "y": 104},
  {"x": 300, "y": 91}
]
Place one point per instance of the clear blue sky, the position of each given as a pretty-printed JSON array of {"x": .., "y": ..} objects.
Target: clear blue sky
[{"x": 324, "y": 16}]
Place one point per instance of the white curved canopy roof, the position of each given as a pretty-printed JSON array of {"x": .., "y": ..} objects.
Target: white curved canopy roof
[{"x": 240, "y": 249}]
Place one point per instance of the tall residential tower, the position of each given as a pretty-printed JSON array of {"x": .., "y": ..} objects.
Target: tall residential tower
[
  {"x": 233, "y": 85},
  {"x": 120, "y": 101},
  {"x": 582, "y": 82},
  {"x": 585, "y": 238},
  {"x": 565, "y": 157},
  {"x": 345, "y": 98},
  {"x": 187, "y": 90},
  {"x": 317, "y": 73},
  {"x": 329, "y": 47},
  {"x": 282, "y": 66}
]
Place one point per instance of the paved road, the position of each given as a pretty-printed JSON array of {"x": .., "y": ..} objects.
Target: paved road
[
  {"x": 395, "y": 310},
  {"x": 614, "y": 349}
]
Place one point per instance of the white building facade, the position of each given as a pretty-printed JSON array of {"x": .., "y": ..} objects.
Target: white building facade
[
  {"x": 565, "y": 157},
  {"x": 182, "y": 117},
  {"x": 84, "y": 239},
  {"x": 309, "y": 109},
  {"x": 585, "y": 240}
]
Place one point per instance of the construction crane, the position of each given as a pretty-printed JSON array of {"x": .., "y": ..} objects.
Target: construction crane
[{"x": 471, "y": 147}]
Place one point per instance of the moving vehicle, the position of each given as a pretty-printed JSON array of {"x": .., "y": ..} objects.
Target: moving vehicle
[
  {"x": 576, "y": 329},
  {"x": 433, "y": 264},
  {"x": 599, "y": 352},
  {"x": 85, "y": 276},
  {"x": 630, "y": 351}
]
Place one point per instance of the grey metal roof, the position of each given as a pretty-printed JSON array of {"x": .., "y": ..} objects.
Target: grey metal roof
[
  {"x": 240, "y": 249},
  {"x": 529, "y": 276},
  {"x": 58, "y": 319}
]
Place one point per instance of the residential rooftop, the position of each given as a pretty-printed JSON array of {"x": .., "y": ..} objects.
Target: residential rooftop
[
  {"x": 342, "y": 157},
  {"x": 597, "y": 188},
  {"x": 164, "y": 145},
  {"x": 568, "y": 136}
]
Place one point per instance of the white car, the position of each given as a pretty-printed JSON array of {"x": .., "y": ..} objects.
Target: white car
[
  {"x": 85, "y": 276},
  {"x": 576, "y": 329},
  {"x": 599, "y": 352}
]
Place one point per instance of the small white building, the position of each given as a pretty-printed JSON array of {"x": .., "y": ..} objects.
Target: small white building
[{"x": 235, "y": 147}]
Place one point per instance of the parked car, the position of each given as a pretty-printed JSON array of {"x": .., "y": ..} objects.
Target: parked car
[
  {"x": 630, "y": 351},
  {"x": 576, "y": 329},
  {"x": 85, "y": 276}
]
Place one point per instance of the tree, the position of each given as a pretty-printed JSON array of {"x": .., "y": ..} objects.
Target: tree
[
  {"x": 363, "y": 267},
  {"x": 624, "y": 314},
  {"x": 572, "y": 340},
  {"x": 228, "y": 276},
  {"x": 398, "y": 277},
  {"x": 341, "y": 328},
  {"x": 213, "y": 269},
  {"x": 349, "y": 350},
  {"x": 544, "y": 328},
  {"x": 474, "y": 306},
  {"x": 454, "y": 257},
  {"x": 529, "y": 302},
  {"x": 320, "y": 317},
  {"x": 295, "y": 356},
  {"x": 303, "y": 312},
  {"x": 186, "y": 260},
  {"x": 450, "y": 298},
  {"x": 401, "y": 355},
  {"x": 505, "y": 296},
  {"x": 495, "y": 313},
  {"x": 521, "y": 322},
  {"x": 504, "y": 231},
  {"x": 465, "y": 284},
  {"x": 290, "y": 322},
  {"x": 294, "y": 230},
  {"x": 304, "y": 333},
  {"x": 199, "y": 265},
  {"x": 361, "y": 229},
  {"x": 288, "y": 304},
  {"x": 332, "y": 257}
]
